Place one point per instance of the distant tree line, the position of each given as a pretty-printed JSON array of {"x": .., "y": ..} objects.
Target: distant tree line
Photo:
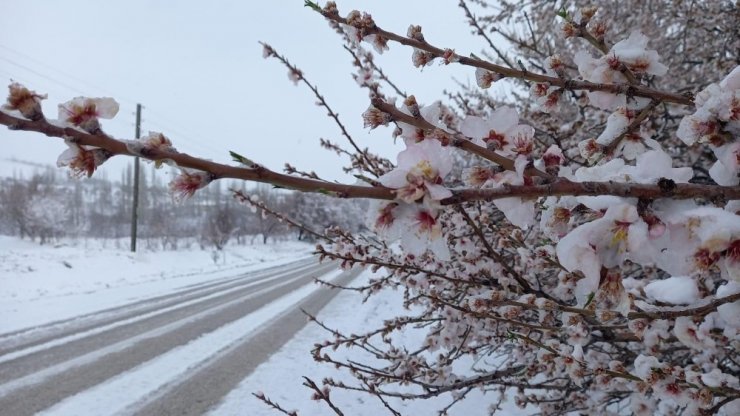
[{"x": 48, "y": 205}]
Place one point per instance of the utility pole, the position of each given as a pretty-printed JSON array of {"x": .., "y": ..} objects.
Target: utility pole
[{"x": 135, "y": 208}]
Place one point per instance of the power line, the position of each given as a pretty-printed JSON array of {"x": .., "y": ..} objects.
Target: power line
[
  {"x": 33, "y": 71},
  {"x": 68, "y": 75},
  {"x": 166, "y": 127}
]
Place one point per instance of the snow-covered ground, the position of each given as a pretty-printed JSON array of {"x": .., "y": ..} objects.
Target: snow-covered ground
[
  {"x": 42, "y": 284},
  {"x": 45, "y": 283},
  {"x": 280, "y": 378}
]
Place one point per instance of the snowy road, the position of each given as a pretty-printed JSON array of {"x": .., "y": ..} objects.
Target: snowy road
[{"x": 178, "y": 353}]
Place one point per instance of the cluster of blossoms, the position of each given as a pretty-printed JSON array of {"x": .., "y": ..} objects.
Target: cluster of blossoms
[
  {"x": 613, "y": 277},
  {"x": 84, "y": 114},
  {"x": 418, "y": 183},
  {"x": 716, "y": 122},
  {"x": 626, "y": 55},
  {"x": 503, "y": 133}
]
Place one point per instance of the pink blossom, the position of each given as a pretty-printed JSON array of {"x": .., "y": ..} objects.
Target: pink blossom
[
  {"x": 717, "y": 115},
  {"x": 552, "y": 159},
  {"x": 550, "y": 100},
  {"x": 267, "y": 51},
  {"x": 364, "y": 77},
  {"x": 383, "y": 219},
  {"x": 478, "y": 175},
  {"x": 691, "y": 335},
  {"x": 372, "y": 117},
  {"x": 422, "y": 231},
  {"x": 518, "y": 211},
  {"x": 82, "y": 160},
  {"x": 420, "y": 172},
  {"x": 358, "y": 28},
  {"x": 154, "y": 141},
  {"x": 598, "y": 71},
  {"x": 606, "y": 242},
  {"x": 500, "y": 131},
  {"x": 632, "y": 52},
  {"x": 701, "y": 126},
  {"x": 556, "y": 219},
  {"x": 590, "y": 150},
  {"x": 295, "y": 75},
  {"x": 611, "y": 295},
  {"x": 420, "y": 58},
  {"x": 697, "y": 239},
  {"x": 430, "y": 113},
  {"x": 485, "y": 78},
  {"x": 84, "y": 112},
  {"x": 187, "y": 182},
  {"x": 635, "y": 144}
]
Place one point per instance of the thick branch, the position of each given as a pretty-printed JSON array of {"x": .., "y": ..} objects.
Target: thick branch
[
  {"x": 664, "y": 189},
  {"x": 561, "y": 187},
  {"x": 218, "y": 170}
]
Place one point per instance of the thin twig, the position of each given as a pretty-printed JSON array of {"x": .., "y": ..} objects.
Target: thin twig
[
  {"x": 568, "y": 84},
  {"x": 373, "y": 168}
]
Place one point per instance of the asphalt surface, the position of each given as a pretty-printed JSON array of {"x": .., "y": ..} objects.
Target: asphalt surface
[{"x": 42, "y": 366}]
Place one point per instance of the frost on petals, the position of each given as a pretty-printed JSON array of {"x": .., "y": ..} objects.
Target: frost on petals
[
  {"x": 422, "y": 231},
  {"x": 485, "y": 78},
  {"x": 372, "y": 118},
  {"x": 149, "y": 144},
  {"x": 25, "y": 101},
  {"x": 82, "y": 161},
  {"x": 416, "y": 225},
  {"x": 430, "y": 113},
  {"x": 359, "y": 28},
  {"x": 630, "y": 53},
  {"x": 633, "y": 53},
  {"x": 420, "y": 171},
  {"x": 185, "y": 184},
  {"x": 606, "y": 242},
  {"x": 716, "y": 122},
  {"x": 501, "y": 131},
  {"x": 84, "y": 112}
]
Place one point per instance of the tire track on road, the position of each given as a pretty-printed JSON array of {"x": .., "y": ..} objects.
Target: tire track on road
[
  {"x": 204, "y": 388},
  {"x": 29, "y": 337},
  {"x": 93, "y": 360}
]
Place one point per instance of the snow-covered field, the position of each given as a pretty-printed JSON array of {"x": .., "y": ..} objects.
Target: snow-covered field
[{"x": 44, "y": 283}]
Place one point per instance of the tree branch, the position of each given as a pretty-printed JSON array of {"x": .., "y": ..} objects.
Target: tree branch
[
  {"x": 561, "y": 187},
  {"x": 568, "y": 84}
]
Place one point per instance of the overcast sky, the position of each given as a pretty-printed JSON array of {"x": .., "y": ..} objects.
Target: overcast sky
[{"x": 197, "y": 68}]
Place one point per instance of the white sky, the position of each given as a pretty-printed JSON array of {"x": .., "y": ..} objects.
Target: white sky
[{"x": 197, "y": 68}]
